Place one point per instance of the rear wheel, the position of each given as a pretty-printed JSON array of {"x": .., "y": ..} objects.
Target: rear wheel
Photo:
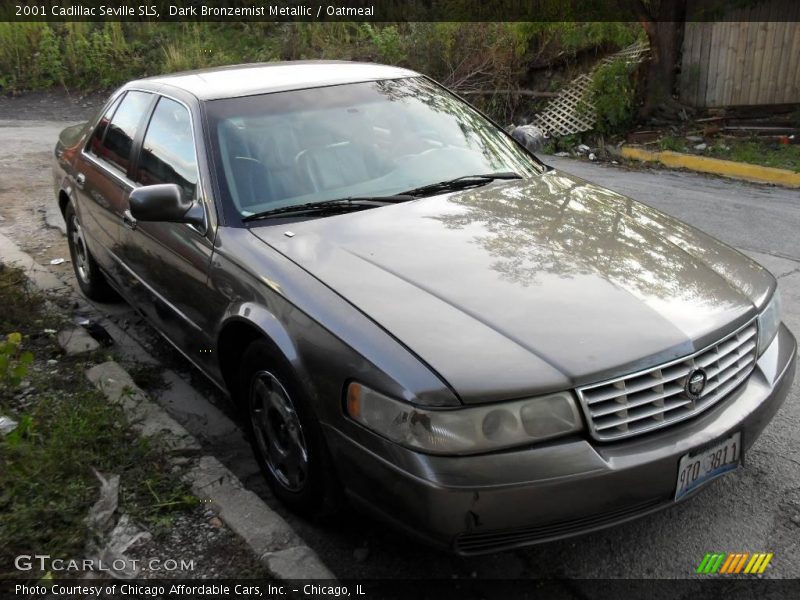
[
  {"x": 285, "y": 434},
  {"x": 91, "y": 281}
]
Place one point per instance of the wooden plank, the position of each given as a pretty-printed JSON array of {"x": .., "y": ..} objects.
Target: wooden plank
[
  {"x": 780, "y": 61},
  {"x": 747, "y": 67},
  {"x": 745, "y": 29},
  {"x": 690, "y": 63},
  {"x": 723, "y": 63},
  {"x": 773, "y": 66},
  {"x": 792, "y": 87},
  {"x": 791, "y": 49},
  {"x": 710, "y": 92},
  {"x": 766, "y": 88},
  {"x": 730, "y": 62},
  {"x": 705, "y": 50},
  {"x": 762, "y": 12}
]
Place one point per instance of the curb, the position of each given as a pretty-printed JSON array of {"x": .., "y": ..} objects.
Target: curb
[
  {"x": 265, "y": 532},
  {"x": 715, "y": 166}
]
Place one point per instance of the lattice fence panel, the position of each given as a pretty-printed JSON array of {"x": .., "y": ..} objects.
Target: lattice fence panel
[{"x": 570, "y": 111}]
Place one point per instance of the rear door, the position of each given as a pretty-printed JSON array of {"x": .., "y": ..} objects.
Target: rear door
[
  {"x": 169, "y": 261},
  {"x": 102, "y": 175}
]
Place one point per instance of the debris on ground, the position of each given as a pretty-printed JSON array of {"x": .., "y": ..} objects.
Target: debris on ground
[
  {"x": 76, "y": 341},
  {"x": 110, "y": 541},
  {"x": 102, "y": 512},
  {"x": 7, "y": 425},
  {"x": 532, "y": 137},
  {"x": 99, "y": 333},
  {"x": 58, "y": 261}
]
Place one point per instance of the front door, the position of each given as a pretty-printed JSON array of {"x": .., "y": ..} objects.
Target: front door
[{"x": 169, "y": 261}]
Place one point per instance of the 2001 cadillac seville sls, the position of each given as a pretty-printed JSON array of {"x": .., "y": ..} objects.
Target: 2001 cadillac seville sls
[{"x": 414, "y": 313}]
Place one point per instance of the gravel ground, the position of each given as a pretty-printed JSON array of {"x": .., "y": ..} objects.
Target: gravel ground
[{"x": 200, "y": 542}]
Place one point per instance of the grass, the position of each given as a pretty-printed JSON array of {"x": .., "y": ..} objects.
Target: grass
[
  {"x": 67, "y": 428},
  {"x": 768, "y": 153},
  {"x": 760, "y": 152}
]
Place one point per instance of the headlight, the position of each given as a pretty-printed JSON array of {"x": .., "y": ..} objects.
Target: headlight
[
  {"x": 464, "y": 430},
  {"x": 768, "y": 322}
]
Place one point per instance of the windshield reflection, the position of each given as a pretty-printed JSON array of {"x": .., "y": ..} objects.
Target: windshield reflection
[{"x": 561, "y": 226}]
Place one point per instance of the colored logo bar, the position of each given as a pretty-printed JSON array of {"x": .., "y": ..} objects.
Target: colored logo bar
[{"x": 734, "y": 562}]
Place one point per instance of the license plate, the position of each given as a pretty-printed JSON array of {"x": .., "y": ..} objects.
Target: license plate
[{"x": 699, "y": 467}]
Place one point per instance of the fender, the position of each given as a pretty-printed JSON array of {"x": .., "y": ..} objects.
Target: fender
[
  {"x": 258, "y": 316},
  {"x": 271, "y": 328}
]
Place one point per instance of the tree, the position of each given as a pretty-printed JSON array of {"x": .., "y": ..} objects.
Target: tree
[{"x": 662, "y": 21}]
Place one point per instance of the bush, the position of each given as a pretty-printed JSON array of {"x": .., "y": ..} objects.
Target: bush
[
  {"x": 613, "y": 92},
  {"x": 388, "y": 43}
]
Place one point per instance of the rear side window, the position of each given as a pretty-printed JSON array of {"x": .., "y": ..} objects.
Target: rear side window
[
  {"x": 118, "y": 141},
  {"x": 168, "y": 154},
  {"x": 96, "y": 141}
]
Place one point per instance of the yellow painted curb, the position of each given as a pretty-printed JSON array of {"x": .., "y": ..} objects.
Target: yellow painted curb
[{"x": 717, "y": 166}]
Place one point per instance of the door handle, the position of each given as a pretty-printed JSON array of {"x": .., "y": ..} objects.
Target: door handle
[
  {"x": 80, "y": 179},
  {"x": 128, "y": 220}
]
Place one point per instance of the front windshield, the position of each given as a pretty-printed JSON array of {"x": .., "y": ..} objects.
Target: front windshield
[{"x": 367, "y": 139}]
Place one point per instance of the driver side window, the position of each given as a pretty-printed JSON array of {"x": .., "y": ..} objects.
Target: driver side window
[{"x": 168, "y": 153}]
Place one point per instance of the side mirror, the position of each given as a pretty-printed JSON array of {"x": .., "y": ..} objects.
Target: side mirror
[{"x": 165, "y": 203}]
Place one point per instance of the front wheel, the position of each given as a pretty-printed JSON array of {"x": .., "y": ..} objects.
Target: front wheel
[
  {"x": 91, "y": 281},
  {"x": 286, "y": 437}
]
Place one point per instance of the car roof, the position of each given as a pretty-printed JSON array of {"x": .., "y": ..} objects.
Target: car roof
[{"x": 262, "y": 78}]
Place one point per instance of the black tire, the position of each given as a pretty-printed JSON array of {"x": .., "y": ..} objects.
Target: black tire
[
  {"x": 279, "y": 432},
  {"x": 90, "y": 279}
]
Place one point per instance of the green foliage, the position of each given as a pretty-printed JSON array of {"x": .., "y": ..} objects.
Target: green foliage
[
  {"x": 673, "y": 143},
  {"x": 47, "y": 65},
  {"x": 466, "y": 56},
  {"x": 612, "y": 93},
  {"x": 574, "y": 37},
  {"x": 13, "y": 361},
  {"x": 389, "y": 45}
]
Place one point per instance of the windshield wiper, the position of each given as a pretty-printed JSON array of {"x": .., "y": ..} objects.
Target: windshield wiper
[
  {"x": 460, "y": 183},
  {"x": 329, "y": 206}
]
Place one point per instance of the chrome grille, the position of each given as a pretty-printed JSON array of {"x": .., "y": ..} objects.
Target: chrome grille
[{"x": 655, "y": 398}]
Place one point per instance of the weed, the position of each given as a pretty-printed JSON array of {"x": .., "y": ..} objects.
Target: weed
[
  {"x": 13, "y": 361},
  {"x": 673, "y": 143}
]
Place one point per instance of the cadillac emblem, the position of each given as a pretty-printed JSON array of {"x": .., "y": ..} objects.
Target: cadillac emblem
[{"x": 696, "y": 383}]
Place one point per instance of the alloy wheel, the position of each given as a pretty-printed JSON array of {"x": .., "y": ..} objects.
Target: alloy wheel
[
  {"x": 81, "y": 257},
  {"x": 278, "y": 432}
]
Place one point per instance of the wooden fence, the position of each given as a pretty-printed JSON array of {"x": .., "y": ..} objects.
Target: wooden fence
[{"x": 750, "y": 58}]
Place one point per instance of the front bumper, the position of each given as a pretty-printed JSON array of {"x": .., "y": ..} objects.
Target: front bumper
[{"x": 477, "y": 504}]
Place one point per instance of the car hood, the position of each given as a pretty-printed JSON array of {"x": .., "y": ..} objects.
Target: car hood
[{"x": 524, "y": 287}]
